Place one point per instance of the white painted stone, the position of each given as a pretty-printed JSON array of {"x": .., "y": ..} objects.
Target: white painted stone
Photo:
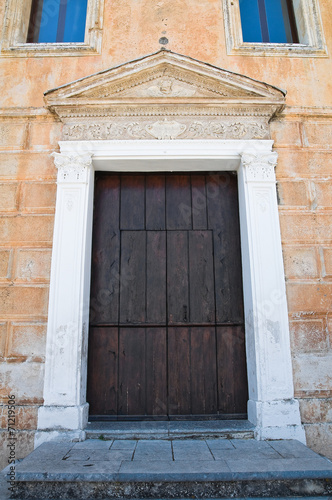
[
  {"x": 66, "y": 348},
  {"x": 276, "y": 419},
  {"x": 65, "y": 417}
]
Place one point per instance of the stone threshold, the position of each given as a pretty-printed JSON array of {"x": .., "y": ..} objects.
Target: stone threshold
[{"x": 202, "y": 429}]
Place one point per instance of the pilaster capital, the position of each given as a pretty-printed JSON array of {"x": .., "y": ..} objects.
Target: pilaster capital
[
  {"x": 259, "y": 166},
  {"x": 72, "y": 167}
]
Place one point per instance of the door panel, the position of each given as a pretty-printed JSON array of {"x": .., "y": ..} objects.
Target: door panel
[
  {"x": 177, "y": 277},
  {"x": 132, "y": 290},
  {"x": 155, "y": 202},
  {"x": 103, "y": 370},
  {"x": 166, "y": 322},
  {"x": 231, "y": 361},
  {"x": 132, "y": 205},
  {"x": 201, "y": 277},
  {"x": 156, "y": 277},
  {"x": 179, "y": 371}
]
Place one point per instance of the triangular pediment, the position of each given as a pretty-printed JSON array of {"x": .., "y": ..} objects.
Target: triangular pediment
[
  {"x": 164, "y": 75},
  {"x": 165, "y": 96}
]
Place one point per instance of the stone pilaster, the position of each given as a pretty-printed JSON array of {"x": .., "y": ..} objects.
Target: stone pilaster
[
  {"x": 271, "y": 406},
  {"x": 65, "y": 407}
]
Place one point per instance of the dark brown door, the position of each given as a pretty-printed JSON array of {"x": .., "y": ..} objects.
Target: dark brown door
[{"x": 166, "y": 319}]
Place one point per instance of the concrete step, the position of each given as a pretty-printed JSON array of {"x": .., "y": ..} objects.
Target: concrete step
[
  {"x": 172, "y": 469},
  {"x": 226, "y": 429}
]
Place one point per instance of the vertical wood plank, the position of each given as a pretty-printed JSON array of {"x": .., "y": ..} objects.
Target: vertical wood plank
[
  {"x": 155, "y": 202},
  {"x": 156, "y": 277},
  {"x": 201, "y": 277},
  {"x": 203, "y": 371},
  {"x": 177, "y": 277},
  {"x": 199, "y": 207},
  {"x": 156, "y": 371},
  {"x": 232, "y": 370},
  {"x": 133, "y": 277},
  {"x": 178, "y": 202},
  {"x": 104, "y": 298},
  {"x": 179, "y": 390},
  {"x": 132, "y": 202},
  {"x": 223, "y": 219},
  {"x": 132, "y": 387},
  {"x": 103, "y": 371}
]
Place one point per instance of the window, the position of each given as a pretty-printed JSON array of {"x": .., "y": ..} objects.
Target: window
[
  {"x": 52, "y": 27},
  {"x": 274, "y": 28},
  {"x": 53, "y": 21},
  {"x": 271, "y": 21}
]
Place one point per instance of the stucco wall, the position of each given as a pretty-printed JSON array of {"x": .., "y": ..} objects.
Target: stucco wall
[{"x": 29, "y": 133}]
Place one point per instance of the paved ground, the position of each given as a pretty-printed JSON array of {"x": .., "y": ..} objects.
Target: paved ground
[
  {"x": 162, "y": 459},
  {"x": 183, "y": 460}
]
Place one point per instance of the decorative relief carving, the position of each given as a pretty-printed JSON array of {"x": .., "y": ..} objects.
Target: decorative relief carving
[
  {"x": 168, "y": 87},
  {"x": 260, "y": 167},
  {"x": 169, "y": 82},
  {"x": 263, "y": 200},
  {"x": 69, "y": 203},
  {"x": 106, "y": 90},
  {"x": 72, "y": 168},
  {"x": 165, "y": 129},
  {"x": 165, "y": 96},
  {"x": 185, "y": 128},
  {"x": 135, "y": 130}
]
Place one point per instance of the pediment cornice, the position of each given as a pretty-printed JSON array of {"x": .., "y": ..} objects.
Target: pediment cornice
[{"x": 165, "y": 95}]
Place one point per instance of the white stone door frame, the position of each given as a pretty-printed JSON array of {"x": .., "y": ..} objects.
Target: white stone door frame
[{"x": 271, "y": 407}]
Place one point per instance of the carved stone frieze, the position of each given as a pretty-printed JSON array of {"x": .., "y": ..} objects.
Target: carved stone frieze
[
  {"x": 185, "y": 128},
  {"x": 72, "y": 168}
]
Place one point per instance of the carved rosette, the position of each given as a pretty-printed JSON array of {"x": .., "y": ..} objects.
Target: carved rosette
[
  {"x": 72, "y": 167},
  {"x": 260, "y": 167}
]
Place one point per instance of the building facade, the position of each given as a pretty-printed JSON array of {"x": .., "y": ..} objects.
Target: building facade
[{"x": 208, "y": 88}]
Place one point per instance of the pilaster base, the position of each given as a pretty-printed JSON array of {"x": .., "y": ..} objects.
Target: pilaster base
[
  {"x": 63, "y": 418},
  {"x": 276, "y": 419}
]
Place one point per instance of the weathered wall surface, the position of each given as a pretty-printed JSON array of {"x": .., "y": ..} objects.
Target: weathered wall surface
[
  {"x": 304, "y": 175},
  {"x": 27, "y": 201},
  {"x": 28, "y": 134}
]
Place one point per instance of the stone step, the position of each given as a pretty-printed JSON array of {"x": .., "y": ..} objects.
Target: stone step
[
  {"x": 172, "y": 469},
  {"x": 226, "y": 429}
]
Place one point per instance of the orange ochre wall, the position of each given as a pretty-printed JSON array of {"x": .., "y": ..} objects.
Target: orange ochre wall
[{"x": 302, "y": 135}]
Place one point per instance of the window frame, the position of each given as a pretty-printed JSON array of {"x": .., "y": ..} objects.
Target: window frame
[
  {"x": 309, "y": 25},
  {"x": 16, "y": 24}
]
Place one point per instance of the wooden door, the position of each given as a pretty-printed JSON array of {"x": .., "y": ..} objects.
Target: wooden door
[{"x": 166, "y": 333}]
